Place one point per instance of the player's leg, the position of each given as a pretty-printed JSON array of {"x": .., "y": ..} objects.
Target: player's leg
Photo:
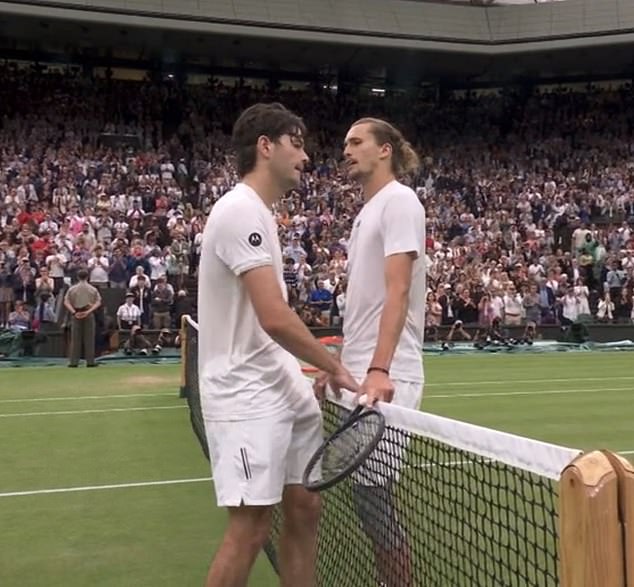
[
  {"x": 301, "y": 508},
  {"x": 377, "y": 510},
  {"x": 376, "y": 503},
  {"x": 248, "y": 459},
  {"x": 244, "y": 537},
  {"x": 298, "y": 540}
]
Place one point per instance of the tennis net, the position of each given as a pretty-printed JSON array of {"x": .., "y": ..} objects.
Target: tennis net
[{"x": 471, "y": 506}]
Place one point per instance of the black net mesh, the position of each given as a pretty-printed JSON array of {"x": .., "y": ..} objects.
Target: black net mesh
[
  {"x": 463, "y": 519},
  {"x": 189, "y": 389},
  {"x": 460, "y": 519}
]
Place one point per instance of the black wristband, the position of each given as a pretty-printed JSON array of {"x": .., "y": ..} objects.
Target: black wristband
[{"x": 386, "y": 371}]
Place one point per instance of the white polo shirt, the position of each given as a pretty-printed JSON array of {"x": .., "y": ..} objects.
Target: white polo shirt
[
  {"x": 243, "y": 373},
  {"x": 392, "y": 221}
]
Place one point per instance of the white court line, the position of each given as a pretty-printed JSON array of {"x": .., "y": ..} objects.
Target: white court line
[
  {"x": 626, "y": 452},
  {"x": 81, "y": 397},
  {"x": 534, "y": 392},
  {"x": 104, "y": 411},
  {"x": 103, "y": 487},
  {"x": 427, "y": 396},
  {"x": 512, "y": 381}
]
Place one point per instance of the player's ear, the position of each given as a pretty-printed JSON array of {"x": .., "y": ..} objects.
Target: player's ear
[
  {"x": 385, "y": 151},
  {"x": 264, "y": 146}
]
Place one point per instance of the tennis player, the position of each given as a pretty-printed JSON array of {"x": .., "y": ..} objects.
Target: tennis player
[
  {"x": 385, "y": 314},
  {"x": 262, "y": 419}
]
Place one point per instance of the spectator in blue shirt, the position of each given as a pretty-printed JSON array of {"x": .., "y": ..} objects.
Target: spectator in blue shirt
[{"x": 321, "y": 298}]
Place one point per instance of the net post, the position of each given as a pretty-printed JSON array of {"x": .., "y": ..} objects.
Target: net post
[
  {"x": 591, "y": 545},
  {"x": 625, "y": 473},
  {"x": 183, "y": 336}
]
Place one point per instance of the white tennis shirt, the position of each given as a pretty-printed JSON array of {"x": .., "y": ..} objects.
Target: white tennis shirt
[
  {"x": 392, "y": 221},
  {"x": 243, "y": 373}
]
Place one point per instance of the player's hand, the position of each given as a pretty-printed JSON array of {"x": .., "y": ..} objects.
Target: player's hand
[
  {"x": 341, "y": 378},
  {"x": 319, "y": 385},
  {"x": 377, "y": 386},
  {"x": 337, "y": 380},
  {"x": 80, "y": 315}
]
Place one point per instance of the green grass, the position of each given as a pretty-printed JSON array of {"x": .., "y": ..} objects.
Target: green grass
[{"x": 165, "y": 535}]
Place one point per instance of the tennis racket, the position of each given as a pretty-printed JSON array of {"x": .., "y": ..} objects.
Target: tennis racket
[{"x": 344, "y": 451}]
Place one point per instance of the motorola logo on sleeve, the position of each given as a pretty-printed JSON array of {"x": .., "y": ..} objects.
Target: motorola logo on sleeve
[{"x": 255, "y": 239}]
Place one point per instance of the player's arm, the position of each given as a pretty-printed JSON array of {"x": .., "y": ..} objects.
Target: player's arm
[
  {"x": 398, "y": 278},
  {"x": 403, "y": 230},
  {"x": 281, "y": 323},
  {"x": 243, "y": 250}
]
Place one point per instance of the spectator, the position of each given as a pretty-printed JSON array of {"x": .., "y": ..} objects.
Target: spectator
[
  {"x": 569, "y": 307},
  {"x": 44, "y": 285},
  {"x": 20, "y": 319},
  {"x": 291, "y": 280},
  {"x": 143, "y": 298},
  {"x": 582, "y": 295},
  {"x": 162, "y": 300},
  {"x": 182, "y": 306},
  {"x": 513, "y": 307},
  {"x": 321, "y": 298},
  {"x": 56, "y": 263},
  {"x": 6, "y": 292},
  {"x": 158, "y": 266},
  {"x": 138, "y": 274},
  {"x": 433, "y": 310},
  {"x": 98, "y": 268},
  {"x": 128, "y": 313},
  {"x": 24, "y": 282},
  {"x": 605, "y": 310},
  {"x": 118, "y": 271},
  {"x": 531, "y": 305},
  {"x": 44, "y": 312}
]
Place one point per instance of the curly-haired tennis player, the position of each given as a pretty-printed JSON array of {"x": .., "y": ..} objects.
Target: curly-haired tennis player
[{"x": 262, "y": 420}]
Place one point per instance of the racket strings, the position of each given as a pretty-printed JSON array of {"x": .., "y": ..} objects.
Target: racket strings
[{"x": 345, "y": 449}]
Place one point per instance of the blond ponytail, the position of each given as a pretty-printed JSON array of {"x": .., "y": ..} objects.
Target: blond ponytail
[{"x": 407, "y": 162}]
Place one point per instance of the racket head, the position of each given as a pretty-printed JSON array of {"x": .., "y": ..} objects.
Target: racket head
[{"x": 344, "y": 451}]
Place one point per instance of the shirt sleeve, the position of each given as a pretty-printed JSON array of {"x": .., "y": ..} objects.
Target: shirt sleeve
[
  {"x": 242, "y": 243},
  {"x": 403, "y": 226}
]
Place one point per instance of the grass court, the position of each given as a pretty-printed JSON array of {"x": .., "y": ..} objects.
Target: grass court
[{"x": 102, "y": 482}]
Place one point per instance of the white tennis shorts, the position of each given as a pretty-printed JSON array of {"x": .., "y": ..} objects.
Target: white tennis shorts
[{"x": 252, "y": 460}]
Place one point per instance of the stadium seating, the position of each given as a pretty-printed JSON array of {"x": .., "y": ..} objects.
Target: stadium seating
[{"x": 528, "y": 197}]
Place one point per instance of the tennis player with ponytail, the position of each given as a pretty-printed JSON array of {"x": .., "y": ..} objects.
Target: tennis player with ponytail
[{"x": 385, "y": 315}]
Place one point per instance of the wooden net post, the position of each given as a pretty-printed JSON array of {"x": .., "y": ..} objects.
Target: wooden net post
[
  {"x": 625, "y": 473},
  {"x": 591, "y": 545},
  {"x": 183, "y": 337}
]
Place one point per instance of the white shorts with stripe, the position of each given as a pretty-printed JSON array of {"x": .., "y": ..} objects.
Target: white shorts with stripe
[{"x": 252, "y": 460}]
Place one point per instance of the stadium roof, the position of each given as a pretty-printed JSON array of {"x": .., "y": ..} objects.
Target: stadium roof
[{"x": 24, "y": 36}]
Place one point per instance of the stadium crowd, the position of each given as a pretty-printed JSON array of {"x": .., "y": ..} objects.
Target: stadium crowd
[{"x": 529, "y": 198}]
